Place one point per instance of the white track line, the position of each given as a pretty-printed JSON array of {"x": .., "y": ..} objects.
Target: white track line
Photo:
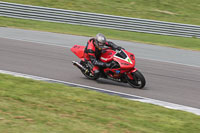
[{"x": 127, "y": 96}]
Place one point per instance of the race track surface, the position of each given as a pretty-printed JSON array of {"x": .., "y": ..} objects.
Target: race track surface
[{"x": 175, "y": 83}]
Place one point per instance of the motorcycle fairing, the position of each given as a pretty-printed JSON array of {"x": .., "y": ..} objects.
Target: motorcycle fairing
[
  {"x": 78, "y": 50},
  {"x": 107, "y": 55},
  {"x": 126, "y": 62},
  {"x": 117, "y": 73}
]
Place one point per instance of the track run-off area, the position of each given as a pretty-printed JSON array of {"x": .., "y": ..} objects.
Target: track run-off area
[{"x": 172, "y": 75}]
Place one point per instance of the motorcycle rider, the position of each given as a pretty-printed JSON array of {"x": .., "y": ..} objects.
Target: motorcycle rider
[{"x": 93, "y": 51}]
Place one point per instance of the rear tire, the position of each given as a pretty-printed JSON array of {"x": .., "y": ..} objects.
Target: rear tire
[
  {"x": 138, "y": 80},
  {"x": 87, "y": 74}
]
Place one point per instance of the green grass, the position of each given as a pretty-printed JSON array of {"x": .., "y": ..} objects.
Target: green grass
[
  {"x": 30, "y": 106},
  {"x": 182, "y": 11},
  {"x": 171, "y": 41}
]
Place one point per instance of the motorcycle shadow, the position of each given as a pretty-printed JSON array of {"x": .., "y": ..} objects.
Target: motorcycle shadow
[{"x": 102, "y": 81}]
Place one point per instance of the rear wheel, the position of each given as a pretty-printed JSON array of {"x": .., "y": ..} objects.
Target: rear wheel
[
  {"x": 87, "y": 73},
  {"x": 138, "y": 80}
]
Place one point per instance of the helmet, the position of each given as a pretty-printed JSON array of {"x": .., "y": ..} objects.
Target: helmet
[{"x": 101, "y": 39}]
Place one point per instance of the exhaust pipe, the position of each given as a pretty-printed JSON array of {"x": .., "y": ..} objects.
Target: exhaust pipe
[{"x": 79, "y": 66}]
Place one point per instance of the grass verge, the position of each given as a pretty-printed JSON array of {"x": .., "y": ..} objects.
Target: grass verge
[
  {"x": 33, "y": 106},
  {"x": 181, "y": 11},
  {"x": 171, "y": 41}
]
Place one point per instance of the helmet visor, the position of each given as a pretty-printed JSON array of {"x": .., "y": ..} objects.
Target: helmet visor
[{"x": 101, "y": 43}]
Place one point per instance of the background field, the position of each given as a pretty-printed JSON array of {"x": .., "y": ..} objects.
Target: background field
[
  {"x": 182, "y": 11},
  {"x": 30, "y": 106}
]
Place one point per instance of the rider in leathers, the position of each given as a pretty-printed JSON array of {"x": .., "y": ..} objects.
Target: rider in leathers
[{"x": 93, "y": 51}]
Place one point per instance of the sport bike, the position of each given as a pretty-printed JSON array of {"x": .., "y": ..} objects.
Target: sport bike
[{"x": 122, "y": 68}]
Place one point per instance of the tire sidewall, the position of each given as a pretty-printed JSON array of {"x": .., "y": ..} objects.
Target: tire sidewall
[{"x": 139, "y": 75}]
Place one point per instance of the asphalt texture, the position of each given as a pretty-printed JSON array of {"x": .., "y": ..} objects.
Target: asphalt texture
[
  {"x": 166, "y": 81},
  {"x": 144, "y": 51}
]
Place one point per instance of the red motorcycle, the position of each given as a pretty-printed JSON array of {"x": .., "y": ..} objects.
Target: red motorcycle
[{"x": 122, "y": 70}]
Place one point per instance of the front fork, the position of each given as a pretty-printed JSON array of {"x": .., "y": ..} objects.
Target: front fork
[{"x": 129, "y": 74}]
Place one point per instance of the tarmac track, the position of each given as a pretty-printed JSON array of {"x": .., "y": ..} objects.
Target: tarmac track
[{"x": 175, "y": 83}]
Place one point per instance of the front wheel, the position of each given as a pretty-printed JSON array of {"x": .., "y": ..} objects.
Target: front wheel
[{"x": 138, "y": 80}]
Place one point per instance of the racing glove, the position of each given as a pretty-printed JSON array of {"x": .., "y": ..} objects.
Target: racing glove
[{"x": 114, "y": 46}]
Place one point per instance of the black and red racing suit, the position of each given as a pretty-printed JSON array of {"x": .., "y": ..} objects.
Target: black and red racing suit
[{"x": 93, "y": 53}]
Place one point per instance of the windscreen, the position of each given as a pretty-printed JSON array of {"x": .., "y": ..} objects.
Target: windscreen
[{"x": 121, "y": 54}]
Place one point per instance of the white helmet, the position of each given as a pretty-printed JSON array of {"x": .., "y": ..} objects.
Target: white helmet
[{"x": 101, "y": 39}]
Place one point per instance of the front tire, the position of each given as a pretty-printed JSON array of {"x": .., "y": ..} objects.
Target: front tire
[{"x": 138, "y": 80}]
